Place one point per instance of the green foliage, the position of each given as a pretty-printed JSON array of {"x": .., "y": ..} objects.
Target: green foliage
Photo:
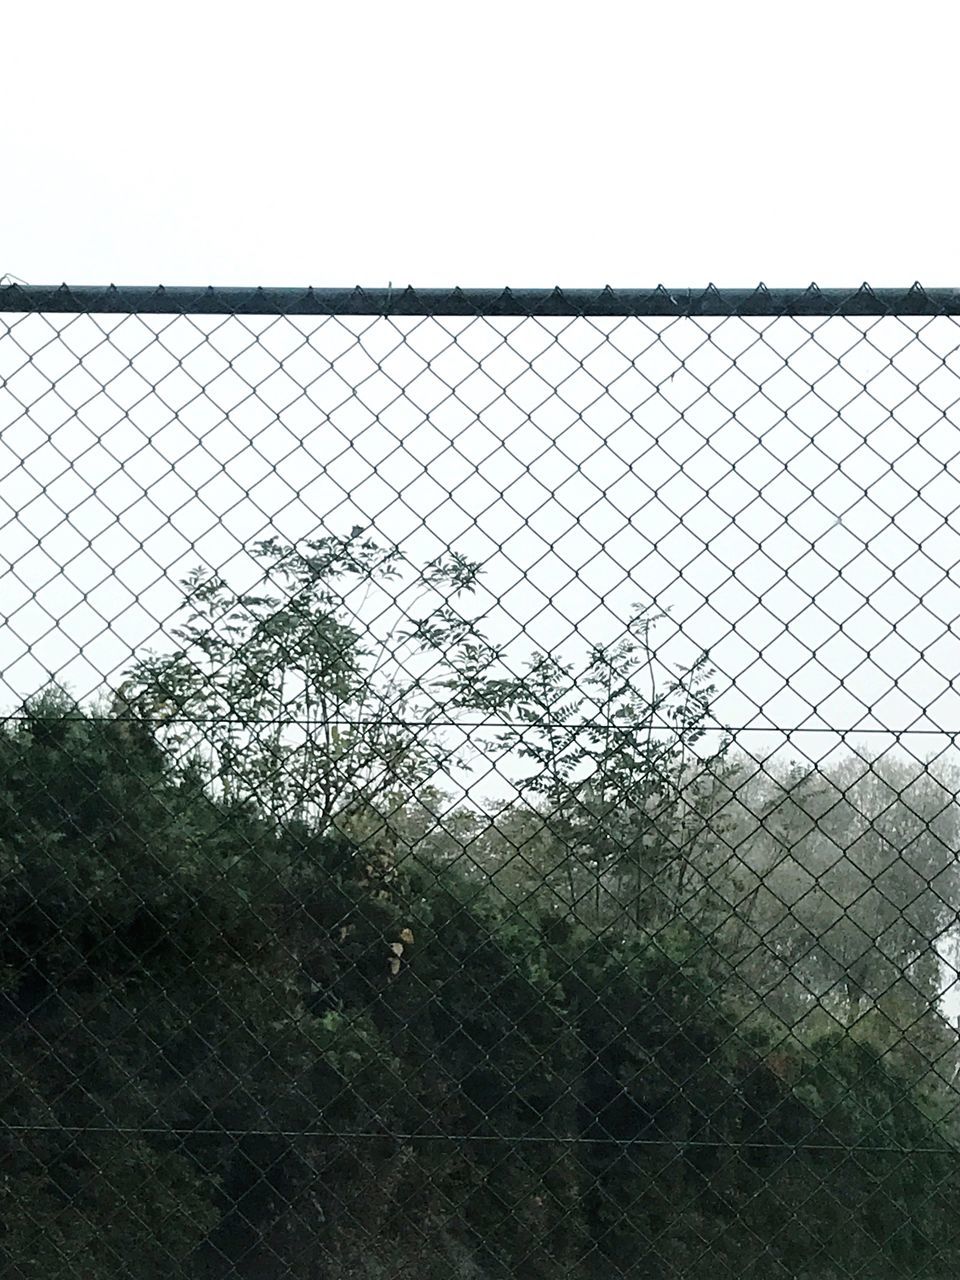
[
  {"x": 121, "y": 1199},
  {"x": 151, "y": 990},
  {"x": 848, "y": 877},
  {"x": 620, "y": 780},
  {"x": 269, "y": 1003},
  {"x": 108, "y": 862},
  {"x": 285, "y": 695}
]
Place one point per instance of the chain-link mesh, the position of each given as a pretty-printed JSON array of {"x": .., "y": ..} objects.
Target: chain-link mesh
[{"x": 478, "y": 784}]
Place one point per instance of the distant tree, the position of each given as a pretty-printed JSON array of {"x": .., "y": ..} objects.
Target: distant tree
[{"x": 848, "y": 882}]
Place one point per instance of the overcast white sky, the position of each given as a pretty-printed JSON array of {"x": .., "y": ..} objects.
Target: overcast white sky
[{"x": 510, "y": 142}]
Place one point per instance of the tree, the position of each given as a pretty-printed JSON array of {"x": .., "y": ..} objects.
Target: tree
[
  {"x": 172, "y": 983},
  {"x": 238, "y": 1031},
  {"x": 847, "y": 882},
  {"x": 620, "y": 795},
  {"x": 289, "y": 696}
]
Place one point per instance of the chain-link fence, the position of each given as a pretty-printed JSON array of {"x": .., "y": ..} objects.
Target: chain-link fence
[{"x": 478, "y": 784}]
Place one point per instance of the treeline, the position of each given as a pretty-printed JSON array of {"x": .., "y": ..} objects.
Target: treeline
[{"x": 272, "y": 1004}]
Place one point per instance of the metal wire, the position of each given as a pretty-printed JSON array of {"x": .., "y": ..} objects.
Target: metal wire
[{"x": 477, "y": 784}]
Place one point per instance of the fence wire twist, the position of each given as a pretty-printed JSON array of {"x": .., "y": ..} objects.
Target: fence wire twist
[{"x": 478, "y": 783}]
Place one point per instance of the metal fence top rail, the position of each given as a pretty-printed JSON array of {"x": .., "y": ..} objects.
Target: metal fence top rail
[{"x": 408, "y": 301}]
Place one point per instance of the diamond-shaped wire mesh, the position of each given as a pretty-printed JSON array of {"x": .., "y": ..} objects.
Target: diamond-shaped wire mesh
[{"x": 478, "y": 784}]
